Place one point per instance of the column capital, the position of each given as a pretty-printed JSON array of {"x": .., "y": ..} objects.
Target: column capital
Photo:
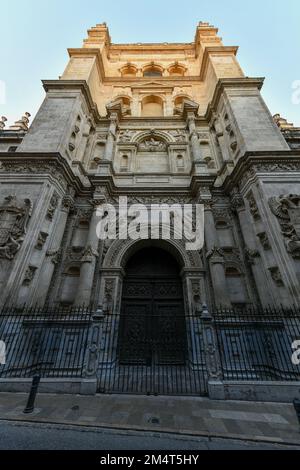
[
  {"x": 67, "y": 204},
  {"x": 205, "y": 197},
  {"x": 237, "y": 201},
  {"x": 97, "y": 201}
]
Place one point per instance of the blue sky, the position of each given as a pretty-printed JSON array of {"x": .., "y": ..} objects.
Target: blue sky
[{"x": 35, "y": 35}]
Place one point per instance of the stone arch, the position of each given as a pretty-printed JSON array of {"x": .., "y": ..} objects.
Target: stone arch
[
  {"x": 152, "y": 69},
  {"x": 177, "y": 69},
  {"x": 121, "y": 250},
  {"x": 129, "y": 70},
  {"x": 165, "y": 137}
]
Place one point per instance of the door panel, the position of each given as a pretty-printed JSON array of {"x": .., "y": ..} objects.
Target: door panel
[
  {"x": 169, "y": 333},
  {"x": 134, "y": 347}
]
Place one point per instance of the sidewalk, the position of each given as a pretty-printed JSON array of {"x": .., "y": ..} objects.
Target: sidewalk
[{"x": 261, "y": 422}]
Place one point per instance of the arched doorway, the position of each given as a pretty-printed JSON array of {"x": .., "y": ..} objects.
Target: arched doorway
[
  {"x": 152, "y": 327},
  {"x": 151, "y": 333}
]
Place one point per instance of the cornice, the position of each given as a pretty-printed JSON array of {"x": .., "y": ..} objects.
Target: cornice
[
  {"x": 223, "y": 83},
  {"x": 150, "y": 47},
  {"x": 250, "y": 159},
  {"x": 43, "y": 158},
  {"x": 141, "y": 81},
  {"x": 81, "y": 85},
  {"x": 219, "y": 50},
  {"x": 90, "y": 52}
]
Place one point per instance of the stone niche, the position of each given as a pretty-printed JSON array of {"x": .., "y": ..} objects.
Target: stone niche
[
  {"x": 152, "y": 156},
  {"x": 153, "y": 153}
]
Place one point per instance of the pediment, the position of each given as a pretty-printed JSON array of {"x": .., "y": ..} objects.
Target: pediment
[
  {"x": 154, "y": 83},
  {"x": 151, "y": 85}
]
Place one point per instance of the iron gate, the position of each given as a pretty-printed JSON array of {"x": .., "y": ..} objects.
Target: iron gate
[{"x": 152, "y": 354}]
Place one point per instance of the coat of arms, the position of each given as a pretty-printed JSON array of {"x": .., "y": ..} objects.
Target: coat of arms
[{"x": 14, "y": 216}]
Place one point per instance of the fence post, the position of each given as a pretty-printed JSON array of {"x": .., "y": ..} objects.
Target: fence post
[
  {"x": 212, "y": 357},
  {"x": 32, "y": 396},
  {"x": 89, "y": 382}
]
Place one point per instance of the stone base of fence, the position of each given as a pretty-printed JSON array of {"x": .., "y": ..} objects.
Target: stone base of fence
[
  {"x": 280, "y": 392},
  {"x": 75, "y": 386}
]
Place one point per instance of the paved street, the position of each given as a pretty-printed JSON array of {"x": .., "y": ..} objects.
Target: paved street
[
  {"x": 16, "y": 436},
  {"x": 191, "y": 416}
]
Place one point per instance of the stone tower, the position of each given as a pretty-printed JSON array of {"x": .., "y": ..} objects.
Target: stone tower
[{"x": 159, "y": 123}]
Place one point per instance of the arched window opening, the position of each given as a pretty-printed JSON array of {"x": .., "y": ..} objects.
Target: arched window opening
[
  {"x": 177, "y": 70},
  {"x": 129, "y": 71},
  {"x": 180, "y": 161},
  {"x": 124, "y": 162},
  {"x": 152, "y": 71},
  {"x": 152, "y": 106}
]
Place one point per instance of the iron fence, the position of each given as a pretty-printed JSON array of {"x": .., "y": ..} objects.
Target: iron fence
[
  {"x": 49, "y": 342},
  {"x": 257, "y": 344},
  {"x": 154, "y": 355},
  {"x": 158, "y": 354}
]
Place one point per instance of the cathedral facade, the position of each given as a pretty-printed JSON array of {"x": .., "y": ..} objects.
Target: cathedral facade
[{"x": 160, "y": 124}]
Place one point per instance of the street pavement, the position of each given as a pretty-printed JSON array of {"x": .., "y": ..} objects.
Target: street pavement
[
  {"x": 19, "y": 436},
  {"x": 267, "y": 423}
]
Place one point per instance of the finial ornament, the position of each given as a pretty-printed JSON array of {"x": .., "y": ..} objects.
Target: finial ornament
[{"x": 3, "y": 120}]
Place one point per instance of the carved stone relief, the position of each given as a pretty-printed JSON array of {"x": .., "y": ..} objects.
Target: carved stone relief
[
  {"x": 276, "y": 276},
  {"x": 287, "y": 209},
  {"x": 14, "y": 217},
  {"x": 29, "y": 275},
  {"x": 42, "y": 238},
  {"x": 52, "y": 206},
  {"x": 253, "y": 207},
  {"x": 152, "y": 145},
  {"x": 264, "y": 240}
]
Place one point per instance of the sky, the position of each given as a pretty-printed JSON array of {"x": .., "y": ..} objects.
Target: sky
[{"x": 35, "y": 35}]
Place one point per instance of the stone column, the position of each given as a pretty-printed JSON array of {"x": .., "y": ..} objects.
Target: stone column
[
  {"x": 111, "y": 138},
  {"x": 215, "y": 258},
  {"x": 88, "y": 262},
  {"x": 53, "y": 253},
  {"x": 251, "y": 251}
]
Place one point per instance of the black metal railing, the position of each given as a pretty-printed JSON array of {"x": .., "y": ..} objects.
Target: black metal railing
[
  {"x": 162, "y": 354},
  {"x": 257, "y": 344},
  {"x": 156, "y": 354},
  {"x": 49, "y": 342}
]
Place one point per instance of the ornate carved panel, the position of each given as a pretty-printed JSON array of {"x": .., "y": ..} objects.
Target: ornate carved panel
[
  {"x": 14, "y": 217},
  {"x": 287, "y": 209}
]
